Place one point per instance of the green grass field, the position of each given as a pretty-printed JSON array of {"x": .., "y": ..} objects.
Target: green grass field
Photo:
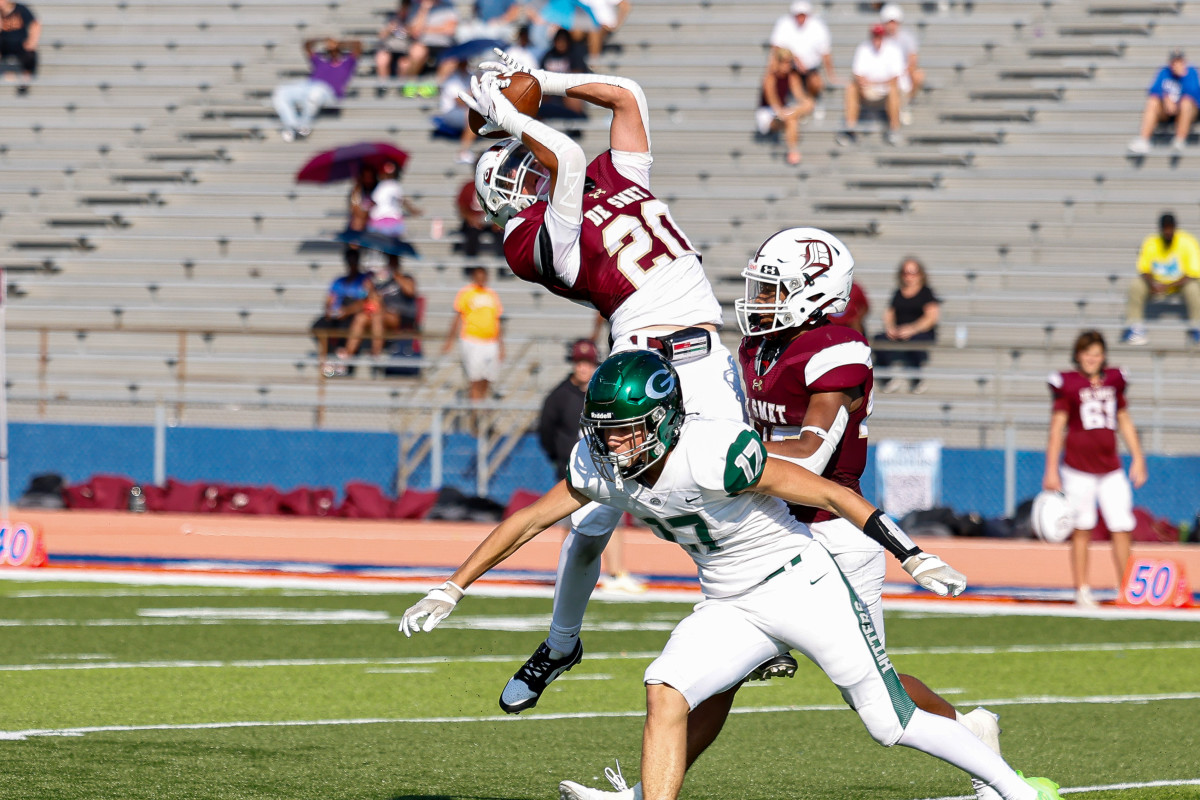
[{"x": 164, "y": 692}]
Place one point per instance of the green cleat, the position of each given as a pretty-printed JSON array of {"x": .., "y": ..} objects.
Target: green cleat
[{"x": 1046, "y": 788}]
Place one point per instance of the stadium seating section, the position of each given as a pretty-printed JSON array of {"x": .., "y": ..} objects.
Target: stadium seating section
[{"x": 156, "y": 246}]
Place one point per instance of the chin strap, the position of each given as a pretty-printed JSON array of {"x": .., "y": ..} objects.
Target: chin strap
[{"x": 830, "y": 439}]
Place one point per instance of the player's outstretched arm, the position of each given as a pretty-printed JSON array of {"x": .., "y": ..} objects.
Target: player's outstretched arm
[
  {"x": 504, "y": 540},
  {"x": 796, "y": 484},
  {"x": 822, "y": 428},
  {"x": 630, "y": 129}
]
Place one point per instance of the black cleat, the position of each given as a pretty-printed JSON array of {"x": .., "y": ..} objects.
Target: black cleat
[
  {"x": 525, "y": 688},
  {"x": 780, "y": 666}
]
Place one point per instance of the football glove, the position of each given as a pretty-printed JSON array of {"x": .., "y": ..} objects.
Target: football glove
[
  {"x": 935, "y": 575},
  {"x": 486, "y": 99},
  {"x": 508, "y": 64},
  {"x": 435, "y": 607}
]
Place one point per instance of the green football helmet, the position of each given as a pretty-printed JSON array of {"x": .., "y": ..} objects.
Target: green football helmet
[{"x": 636, "y": 390}]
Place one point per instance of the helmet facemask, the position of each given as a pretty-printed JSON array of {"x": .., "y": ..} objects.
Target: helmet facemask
[
  {"x": 793, "y": 281},
  {"x": 647, "y": 448},
  {"x": 509, "y": 179}
]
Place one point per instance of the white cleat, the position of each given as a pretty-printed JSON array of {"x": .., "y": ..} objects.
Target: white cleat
[
  {"x": 986, "y": 726},
  {"x": 569, "y": 790}
]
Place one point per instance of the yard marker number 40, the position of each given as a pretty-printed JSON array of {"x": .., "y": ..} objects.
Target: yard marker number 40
[
  {"x": 1155, "y": 582},
  {"x": 21, "y": 546}
]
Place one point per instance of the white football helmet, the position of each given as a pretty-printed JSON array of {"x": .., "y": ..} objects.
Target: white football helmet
[
  {"x": 1051, "y": 517},
  {"x": 797, "y": 275},
  {"x": 508, "y": 180}
]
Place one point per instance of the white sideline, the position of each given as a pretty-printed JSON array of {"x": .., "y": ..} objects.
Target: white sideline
[{"x": 1007, "y": 701}]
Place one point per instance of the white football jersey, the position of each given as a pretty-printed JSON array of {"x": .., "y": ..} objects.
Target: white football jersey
[{"x": 736, "y": 540}]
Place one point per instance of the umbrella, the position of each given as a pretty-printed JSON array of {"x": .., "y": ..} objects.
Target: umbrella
[
  {"x": 342, "y": 163},
  {"x": 469, "y": 49},
  {"x": 378, "y": 241}
]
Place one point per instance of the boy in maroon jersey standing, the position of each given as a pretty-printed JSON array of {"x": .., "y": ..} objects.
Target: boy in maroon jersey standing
[{"x": 1090, "y": 408}]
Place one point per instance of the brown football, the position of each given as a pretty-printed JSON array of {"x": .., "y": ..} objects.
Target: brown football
[{"x": 523, "y": 91}]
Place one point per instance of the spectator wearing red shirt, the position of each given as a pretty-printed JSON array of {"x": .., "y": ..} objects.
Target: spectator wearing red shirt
[
  {"x": 474, "y": 225},
  {"x": 1089, "y": 407}
]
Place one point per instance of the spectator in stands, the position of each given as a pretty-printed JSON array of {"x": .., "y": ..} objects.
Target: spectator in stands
[
  {"x": 609, "y": 15},
  {"x": 855, "y": 315},
  {"x": 19, "y": 35},
  {"x": 1090, "y": 409},
  {"x": 783, "y": 101},
  {"x": 492, "y": 19},
  {"x": 451, "y": 119},
  {"x": 477, "y": 327},
  {"x": 431, "y": 29},
  {"x": 563, "y": 56},
  {"x": 346, "y": 298},
  {"x": 558, "y": 433},
  {"x": 394, "y": 42},
  {"x": 359, "y": 201},
  {"x": 807, "y": 38},
  {"x": 388, "y": 204},
  {"x": 878, "y": 67},
  {"x": 1172, "y": 98},
  {"x": 391, "y": 307},
  {"x": 1169, "y": 262},
  {"x": 474, "y": 225},
  {"x": 298, "y": 104},
  {"x": 891, "y": 16},
  {"x": 912, "y": 316}
]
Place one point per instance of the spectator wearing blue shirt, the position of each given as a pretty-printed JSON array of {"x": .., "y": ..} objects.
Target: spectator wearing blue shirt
[
  {"x": 1172, "y": 98},
  {"x": 347, "y": 297}
]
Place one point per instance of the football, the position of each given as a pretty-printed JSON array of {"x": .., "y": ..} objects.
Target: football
[{"x": 523, "y": 91}]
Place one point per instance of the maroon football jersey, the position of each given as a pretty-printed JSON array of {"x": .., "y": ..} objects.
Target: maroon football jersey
[
  {"x": 778, "y": 387},
  {"x": 626, "y": 233},
  {"x": 1091, "y": 418}
]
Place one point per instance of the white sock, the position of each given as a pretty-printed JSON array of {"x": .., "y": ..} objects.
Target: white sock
[
  {"x": 578, "y": 571},
  {"x": 955, "y": 744}
]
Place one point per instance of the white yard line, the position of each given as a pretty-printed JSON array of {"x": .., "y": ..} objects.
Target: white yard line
[
  {"x": 88, "y": 661},
  {"x": 417, "y": 580},
  {"x": 1007, "y": 701}
]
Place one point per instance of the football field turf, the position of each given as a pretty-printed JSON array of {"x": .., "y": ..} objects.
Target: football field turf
[{"x": 160, "y": 692}]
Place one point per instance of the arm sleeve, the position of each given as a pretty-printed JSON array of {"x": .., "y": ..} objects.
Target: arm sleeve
[
  {"x": 560, "y": 82},
  {"x": 1057, "y": 397},
  {"x": 841, "y": 366}
]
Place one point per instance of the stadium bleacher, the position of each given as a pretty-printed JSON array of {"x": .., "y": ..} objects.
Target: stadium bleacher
[{"x": 154, "y": 237}]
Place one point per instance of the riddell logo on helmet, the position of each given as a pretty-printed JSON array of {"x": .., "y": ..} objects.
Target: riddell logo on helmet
[{"x": 601, "y": 415}]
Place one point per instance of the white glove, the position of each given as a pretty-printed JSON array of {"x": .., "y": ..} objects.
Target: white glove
[
  {"x": 935, "y": 575},
  {"x": 487, "y": 100},
  {"x": 508, "y": 64},
  {"x": 436, "y": 605}
]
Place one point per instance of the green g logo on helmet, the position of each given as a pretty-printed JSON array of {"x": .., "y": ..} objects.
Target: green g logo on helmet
[{"x": 633, "y": 396}]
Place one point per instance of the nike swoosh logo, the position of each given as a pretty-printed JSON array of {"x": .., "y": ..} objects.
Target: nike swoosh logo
[
  {"x": 693, "y": 499},
  {"x": 814, "y": 580}
]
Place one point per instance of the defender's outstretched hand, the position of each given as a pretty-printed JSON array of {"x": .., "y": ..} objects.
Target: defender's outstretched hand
[
  {"x": 486, "y": 98},
  {"x": 435, "y": 606},
  {"x": 935, "y": 575}
]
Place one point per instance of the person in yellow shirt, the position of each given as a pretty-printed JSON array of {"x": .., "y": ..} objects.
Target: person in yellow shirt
[
  {"x": 476, "y": 327},
  {"x": 1169, "y": 262}
]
